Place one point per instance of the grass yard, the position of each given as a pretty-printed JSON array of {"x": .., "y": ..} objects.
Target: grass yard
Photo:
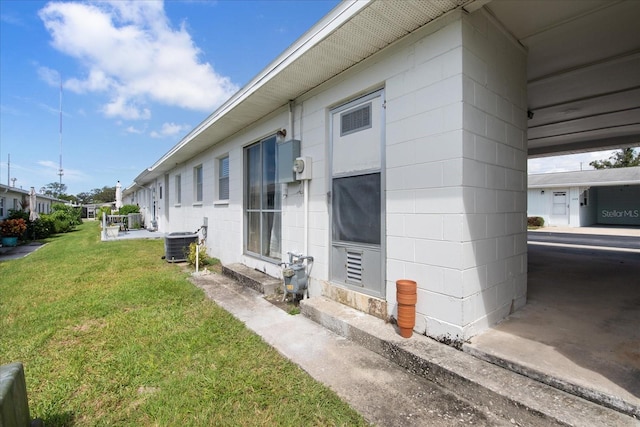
[{"x": 110, "y": 334}]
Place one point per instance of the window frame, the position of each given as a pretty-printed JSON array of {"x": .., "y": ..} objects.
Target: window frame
[
  {"x": 198, "y": 184},
  {"x": 178, "y": 189},
  {"x": 263, "y": 202},
  {"x": 222, "y": 178}
]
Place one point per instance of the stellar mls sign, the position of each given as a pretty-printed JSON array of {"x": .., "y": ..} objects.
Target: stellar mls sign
[{"x": 631, "y": 213}]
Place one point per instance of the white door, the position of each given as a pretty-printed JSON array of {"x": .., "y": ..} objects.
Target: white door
[
  {"x": 560, "y": 208},
  {"x": 357, "y": 196}
]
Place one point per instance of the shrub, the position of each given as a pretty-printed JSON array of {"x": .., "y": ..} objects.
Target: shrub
[
  {"x": 202, "y": 255},
  {"x": 67, "y": 213},
  {"x": 105, "y": 209},
  {"x": 63, "y": 218},
  {"x": 13, "y": 227},
  {"x": 535, "y": 221},
  {"x": 127, "y": 209},
  {"x": 18, "y": 214},
  {"x": 41, "y": 228}
]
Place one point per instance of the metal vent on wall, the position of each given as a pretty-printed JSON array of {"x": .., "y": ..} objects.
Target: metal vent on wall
[
  {"x": 355, "y": 120},
  {"x": 354, "y": 266}
]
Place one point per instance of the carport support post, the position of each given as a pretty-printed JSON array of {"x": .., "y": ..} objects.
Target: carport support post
[{"x": 457, "y": 185}]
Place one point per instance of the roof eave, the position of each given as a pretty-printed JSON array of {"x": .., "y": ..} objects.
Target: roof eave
[{"x": 336, "y": 18}]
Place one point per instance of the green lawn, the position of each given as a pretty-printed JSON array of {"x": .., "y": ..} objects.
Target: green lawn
[{"x": 110, "y": 334}]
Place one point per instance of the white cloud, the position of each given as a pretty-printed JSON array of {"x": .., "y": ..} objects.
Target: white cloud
[
  {"x": 49, "y": 76},
  {"x": 134, "y": 130},
  {"x": 129, "y": 50},
  {"x": 96, "y": 81},
  {"x": 126, "y": 108},
  {"x": 170, "y": 129},
  {"x": 49, "y": 173}
]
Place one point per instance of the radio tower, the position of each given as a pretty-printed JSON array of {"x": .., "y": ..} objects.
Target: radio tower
[{"x": 60, "y": 171}]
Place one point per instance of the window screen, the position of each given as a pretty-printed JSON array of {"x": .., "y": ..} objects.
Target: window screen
[
  {"x": 355, "y": 120},
  {"x": 356, "y": 209},
  {"x": 197, "y": 180},
  {"x": 178, "y": 189},
  {"x": 223, "y": 180}
]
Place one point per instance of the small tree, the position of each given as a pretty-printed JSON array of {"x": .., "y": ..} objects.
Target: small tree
[
  {"x": 103, "y": 209},
  {"x": 104, "y": 194},
  {"x": 55, "y": 189},
  {"x": 624, "y": 158}
]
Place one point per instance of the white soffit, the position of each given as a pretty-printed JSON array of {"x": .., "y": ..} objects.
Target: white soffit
[{"x": 350, "y": 33}]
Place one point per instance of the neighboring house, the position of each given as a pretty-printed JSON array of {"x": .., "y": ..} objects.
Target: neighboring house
[
  {"x": 12, "y": 198},
  {"x": 89, "y": 210},
  {"x": 406, "y": 123},
  {"x": 583, "y": 198}
]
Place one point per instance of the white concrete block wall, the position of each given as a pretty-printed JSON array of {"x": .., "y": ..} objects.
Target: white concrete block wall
[
  {"x": 455, "y": 178},
  {"x": 456, "y": 182},
  {"x": 495, "y": 117}
]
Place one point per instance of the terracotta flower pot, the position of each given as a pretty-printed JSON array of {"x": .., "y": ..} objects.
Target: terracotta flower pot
[
  {"x": 407, "y": 296},
  {"x": 404, "y": 286}
]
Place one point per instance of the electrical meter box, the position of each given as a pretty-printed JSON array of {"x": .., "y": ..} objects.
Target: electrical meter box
[{"x": 287, "y": 153}]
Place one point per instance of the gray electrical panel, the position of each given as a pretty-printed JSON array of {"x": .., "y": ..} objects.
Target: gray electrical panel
[{"x": 287, "y": 153}]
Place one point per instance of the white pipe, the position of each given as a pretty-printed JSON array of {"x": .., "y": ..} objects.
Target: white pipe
[
  {"x": 197, "y": 256},
  {"x": 306, "y": 217},
  {"x": 306, "y": 228},
  {"x": 104, "y": 225}
]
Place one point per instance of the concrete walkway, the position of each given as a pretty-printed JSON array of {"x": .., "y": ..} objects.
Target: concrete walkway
[
  {"x": 20, "y": 251},
  {"x": 394, "y": 381}
]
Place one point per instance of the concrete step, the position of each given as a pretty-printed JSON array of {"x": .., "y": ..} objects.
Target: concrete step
[
  {"x": 572, "y": 387},
  {"x": 521, "y": 399},
  {"x": 253, "y": 278}
]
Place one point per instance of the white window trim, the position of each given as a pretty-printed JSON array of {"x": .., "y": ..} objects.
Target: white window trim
[{"x": 196, "y": 201}]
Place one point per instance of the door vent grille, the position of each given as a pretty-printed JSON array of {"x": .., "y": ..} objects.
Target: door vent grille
[
  {"x": 354, "y": 266},
  {"x": 355, "y": 120}
]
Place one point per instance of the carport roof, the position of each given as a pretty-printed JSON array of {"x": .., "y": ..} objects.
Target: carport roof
[{"x": 589, "y": 178}]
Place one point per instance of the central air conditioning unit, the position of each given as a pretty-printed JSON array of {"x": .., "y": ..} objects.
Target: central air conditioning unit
[{"x": 176, "y": 245}]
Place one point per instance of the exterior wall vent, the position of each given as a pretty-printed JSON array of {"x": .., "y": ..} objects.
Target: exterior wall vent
[
  {"x": 354, "y": 266},
  {"x": 355, "y": 120}
]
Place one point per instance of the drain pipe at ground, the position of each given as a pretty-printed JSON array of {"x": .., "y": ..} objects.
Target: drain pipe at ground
[{"x": 197, "y": 256}]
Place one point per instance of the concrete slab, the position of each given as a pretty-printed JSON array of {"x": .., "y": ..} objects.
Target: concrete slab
[
  {"x": 579, "y": 330},
  {"x": 137, "y": 234}
]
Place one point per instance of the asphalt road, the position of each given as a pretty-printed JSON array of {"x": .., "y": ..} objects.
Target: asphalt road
[{"x": 625, "y": 242}]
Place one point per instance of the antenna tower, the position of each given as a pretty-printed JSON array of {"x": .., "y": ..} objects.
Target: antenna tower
[{"x": 60, "y": 170}]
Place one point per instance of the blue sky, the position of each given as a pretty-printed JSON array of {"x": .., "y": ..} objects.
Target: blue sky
[{"x": 136, "y": 77}]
